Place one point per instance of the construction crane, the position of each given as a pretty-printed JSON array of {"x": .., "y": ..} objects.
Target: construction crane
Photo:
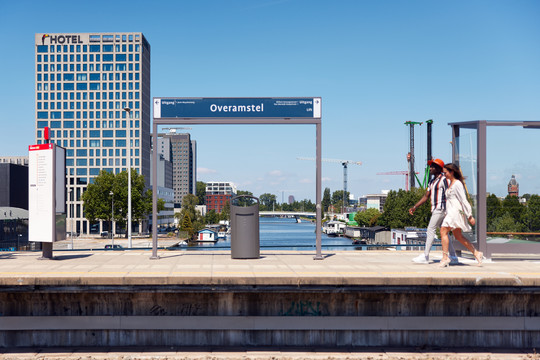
[
  {"x": 410, "y": 155},
  {"x": 345, "y": 164},
  {"x": 406, "y": 173}
]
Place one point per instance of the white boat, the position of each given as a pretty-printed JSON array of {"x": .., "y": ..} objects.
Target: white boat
[{"x": 333, "y": 228}]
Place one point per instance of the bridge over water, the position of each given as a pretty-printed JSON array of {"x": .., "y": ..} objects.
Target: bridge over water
[{"x": 295, "y": 214}]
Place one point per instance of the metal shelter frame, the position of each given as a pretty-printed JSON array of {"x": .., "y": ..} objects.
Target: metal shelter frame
[
  {"x": 480, "y": 126},
  {"x": 238, "y": 121}
]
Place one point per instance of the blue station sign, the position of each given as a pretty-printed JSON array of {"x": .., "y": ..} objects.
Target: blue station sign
[{"x": 237, "y": 108}]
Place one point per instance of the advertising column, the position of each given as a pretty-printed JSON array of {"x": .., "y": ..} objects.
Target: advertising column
[{"x": 46, "y": 195}]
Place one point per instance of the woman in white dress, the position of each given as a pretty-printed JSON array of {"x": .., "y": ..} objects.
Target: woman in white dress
[{"x": 458, "y": 212}]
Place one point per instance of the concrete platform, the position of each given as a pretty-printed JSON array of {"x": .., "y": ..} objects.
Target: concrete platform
[
  {"x": 134, "y": 267},
  {"x": 284, "y": 299}
]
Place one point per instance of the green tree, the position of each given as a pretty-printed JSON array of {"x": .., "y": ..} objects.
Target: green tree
[
  {"x": 493, "y": 211},
  {"x": 396, "y": 209},
  {"x": 531, "y": 216},
  {"x": 211, "y": 217},
  {"x": 368, "y": 217},
  {"x": 506, "y": 223},
  {"x": 201, "y": 192},
  {"x": 97, "y": 198},
  {"x": 245, "y": 201},
  {"x": 267, "y": 201},
  {"x": 326, "y": 200},
  {"x": 188, "y": 209},
  {"x": 186, "y": 225},
  {"x": 512, "y": 206}
]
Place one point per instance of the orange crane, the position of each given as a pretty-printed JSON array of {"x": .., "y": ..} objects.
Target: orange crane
[{"x": 406, "y": 173}]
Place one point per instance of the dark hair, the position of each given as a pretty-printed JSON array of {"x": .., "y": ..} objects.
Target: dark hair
[{"x": 455, "y": 169}]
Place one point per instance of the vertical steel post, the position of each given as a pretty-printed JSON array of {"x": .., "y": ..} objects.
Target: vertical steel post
[
  {"x": 411, "y": 177},
  {"x": 318, "y": 187},
  {"x": 481, "y": 206},
  {"x": 154, "y": 190}
]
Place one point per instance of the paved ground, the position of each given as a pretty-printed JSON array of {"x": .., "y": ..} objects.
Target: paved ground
[
  {"x": 273, "y": 267},
  {"x": 298, "y": 354}
]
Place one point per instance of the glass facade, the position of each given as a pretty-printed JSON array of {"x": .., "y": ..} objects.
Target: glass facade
[{"x": 83, "y": 84}]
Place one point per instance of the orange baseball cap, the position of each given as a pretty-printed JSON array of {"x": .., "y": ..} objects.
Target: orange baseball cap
[{"x": 437, "y": 162}]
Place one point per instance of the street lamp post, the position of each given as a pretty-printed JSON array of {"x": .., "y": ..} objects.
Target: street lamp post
[
  {"x": 70, "y": 216},
  {"x": 112, "y": 215},
  {"x": 128, "y": 110}
]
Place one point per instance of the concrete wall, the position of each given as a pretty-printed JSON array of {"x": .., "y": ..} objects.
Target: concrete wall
[{"x": 251, "y": 315}]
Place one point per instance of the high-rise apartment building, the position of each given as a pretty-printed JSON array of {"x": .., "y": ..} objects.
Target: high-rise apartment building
[
  {"x": 218, "y": 194},
  {"x": 181, "y": 151},
  {"x": 93, "y": 92}
]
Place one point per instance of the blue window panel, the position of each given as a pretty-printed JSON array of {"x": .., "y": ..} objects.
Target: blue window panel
[
  {"x": 120, "y": 143},
  {"x": 107, "y": 48},
  {"x": 42, "y": 124},
  {"x": 82, "y": 152},
  {"x": 107, "y": 67},
  {"x": 56, "y": 115},
  {"x": 81, "y": 162},
  {"x": 95, "y": 133},
  {"x": 94, "y": 86},
  {"x": 69, "y": 115},
  {"x": 69, "y": 162},
  {"x": 69, "y": 86},
  {"x": 42, "y": 49},
  {"x": 81, "y": 171},
  {"x": 107, "y": 143},
  {"x": 69, "y": 124},
  {"x": 94, "y": 171},
  {"x": 82, "y": 86},
  {"x": 94, "y": 77},
  {"x": 108, "y": 57},
  {"x": 42, "y": 115},
  {"x": 121, "y": 133},
  {"x": 107, "y": 133},
  {"x": 120, "y": 67},
  {"x": 56, "y": 124},
  {"x": 120, "y": 57},
  {"x": 94, "y": 143},
  {"x": 69, "y": 77},
  {"x": 95, "y": 48}
]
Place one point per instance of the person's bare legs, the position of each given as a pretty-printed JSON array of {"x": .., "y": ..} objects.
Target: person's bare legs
[
  {"x": 459, "y": 236},
  {"x": 445, "y": 242}
]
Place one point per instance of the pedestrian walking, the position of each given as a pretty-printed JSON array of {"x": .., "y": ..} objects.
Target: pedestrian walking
[
  {"x": 436, "y": 192},
  {"x": 458, "y": 214}
]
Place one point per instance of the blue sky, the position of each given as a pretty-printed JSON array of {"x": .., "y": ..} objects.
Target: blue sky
[{"x": 376, "y": 64}]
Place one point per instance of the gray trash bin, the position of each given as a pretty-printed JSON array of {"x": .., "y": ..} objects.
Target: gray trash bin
[{"x": 245, "y": 227}]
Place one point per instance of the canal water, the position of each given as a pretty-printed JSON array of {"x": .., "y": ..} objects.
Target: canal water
[{"x": 286, "y": 234}]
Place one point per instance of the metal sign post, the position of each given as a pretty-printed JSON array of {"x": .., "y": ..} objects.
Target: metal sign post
[{"x": 228, "y": 111}]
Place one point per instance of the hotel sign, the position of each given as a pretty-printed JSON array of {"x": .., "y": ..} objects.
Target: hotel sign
[{"x": 237, "y": 108}]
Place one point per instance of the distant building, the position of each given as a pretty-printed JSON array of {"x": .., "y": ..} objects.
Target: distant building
[
  {"x": 291, "y": 199},
  {"x": 513, "y": 187},
  {"x": 218, "y": 194},
  {"x": 181, "y": 151},
  {"x": 14, "y": 185},
  {"x": 376, "y": 201},
  {"x": 19, "y": 160}
]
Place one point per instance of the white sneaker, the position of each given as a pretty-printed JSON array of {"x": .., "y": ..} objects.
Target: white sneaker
[
  {"x": 421, "y": 259},
  {"x": 454, "y": 260}
]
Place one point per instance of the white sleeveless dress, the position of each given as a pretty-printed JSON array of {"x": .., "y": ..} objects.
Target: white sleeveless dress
[{"x": 458, "y": 209}]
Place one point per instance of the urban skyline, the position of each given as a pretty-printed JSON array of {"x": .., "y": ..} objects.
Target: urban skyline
[{"x": 375, "y": 65}]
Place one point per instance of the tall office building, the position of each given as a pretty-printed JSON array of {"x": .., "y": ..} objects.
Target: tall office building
[
  {"x": 84, "y": 84},
  {"x": 181, "y": 151}
]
